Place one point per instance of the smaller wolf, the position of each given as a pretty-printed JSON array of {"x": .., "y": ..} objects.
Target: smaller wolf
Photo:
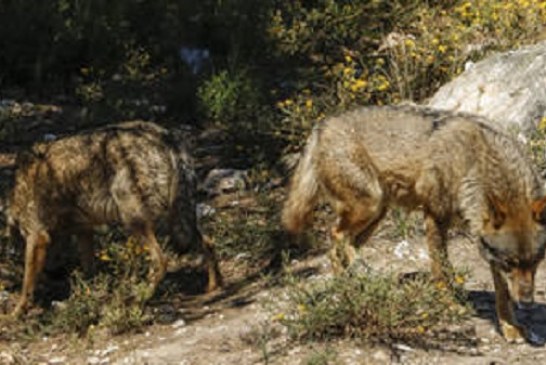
[
  {"x": 132, "y": 173},
  {"x": 448, "y": 165}
]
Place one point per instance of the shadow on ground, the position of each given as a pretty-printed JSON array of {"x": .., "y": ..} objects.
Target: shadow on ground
[{"x": 483, "y": 303}]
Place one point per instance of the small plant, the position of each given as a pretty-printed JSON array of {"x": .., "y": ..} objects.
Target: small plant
[
  {"x": 229, "y": 98},
  {"x": 246, "y": 230},
  {"x": 374, "y": 307},
  {"x": 324, "y": 357},
  {"x": 113, "y": 299},
  {"x": 405, "y": 224},
  {"x": 84, "y": 306}
]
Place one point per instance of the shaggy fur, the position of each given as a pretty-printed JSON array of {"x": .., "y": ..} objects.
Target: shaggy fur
[{"x": 133, "y": 173}]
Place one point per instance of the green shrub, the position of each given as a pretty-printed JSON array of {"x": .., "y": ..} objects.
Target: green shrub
[
  {"x": 373, "y": 307},
  {"x": 229, "y": 98}
]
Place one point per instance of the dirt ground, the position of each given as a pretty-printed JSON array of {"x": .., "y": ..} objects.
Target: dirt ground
[
  {"x": 239, "y": 328},
  {"x": 223, "y": 337}
]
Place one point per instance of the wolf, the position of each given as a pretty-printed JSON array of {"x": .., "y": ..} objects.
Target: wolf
[
  {"x": 132, "y": 173},
  {"x": 448, "y": 165}
]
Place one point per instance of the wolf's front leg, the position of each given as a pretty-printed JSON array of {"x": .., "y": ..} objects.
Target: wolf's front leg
[
  {"x": 441, "y": 268},
  {"x": 342, "y": 254},
  {"x": 508, "y": 325}
]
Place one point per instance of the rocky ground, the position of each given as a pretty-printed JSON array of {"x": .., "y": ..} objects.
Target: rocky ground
[{"x": 240, "y": 328}]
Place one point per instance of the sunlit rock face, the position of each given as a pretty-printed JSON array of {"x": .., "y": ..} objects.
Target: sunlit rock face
[{"x": 508, "y": 88}]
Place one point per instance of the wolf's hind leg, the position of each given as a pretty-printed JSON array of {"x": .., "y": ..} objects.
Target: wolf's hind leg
[
  {"x": 215, "y": 279},
  {"x": 35, "y": 256},
  {"x": 355, "y": 225},
  {"x": 158, "y": 266}
]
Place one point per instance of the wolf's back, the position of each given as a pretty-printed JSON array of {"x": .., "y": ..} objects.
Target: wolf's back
[{"x": 303, "y": 191}]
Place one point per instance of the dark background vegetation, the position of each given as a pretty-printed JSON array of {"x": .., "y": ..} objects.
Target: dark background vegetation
[{"x": 273, "y": 66}]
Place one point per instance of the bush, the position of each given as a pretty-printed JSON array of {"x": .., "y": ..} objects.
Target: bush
[
  {"x": 374, "y": 308},
  {"x": 230, "y": 99},
  {"x": 113, "y": 299}
]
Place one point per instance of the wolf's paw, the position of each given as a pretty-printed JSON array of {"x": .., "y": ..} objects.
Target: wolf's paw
[
  {"x": 513, "y": 333},
  {"x": 519, "y": 334}
]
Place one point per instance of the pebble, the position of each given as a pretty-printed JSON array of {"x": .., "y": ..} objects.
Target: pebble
[
  {"x": 381, "y": 356},
  {"x": 402, "y": 347},
  {"x": 93, "y": 360},
  {"x": 179, "y": 323},
  {"x": 57, "y": 360}
]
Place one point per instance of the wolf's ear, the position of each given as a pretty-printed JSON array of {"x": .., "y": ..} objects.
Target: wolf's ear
[
  {"x": 497, "y": 211},
  {"x": 539, "y": 210}
]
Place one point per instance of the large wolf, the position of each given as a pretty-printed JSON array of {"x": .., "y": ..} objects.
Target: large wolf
[
  {"x": 446, "y": 164},
  {"x": 132, "y": 173}
]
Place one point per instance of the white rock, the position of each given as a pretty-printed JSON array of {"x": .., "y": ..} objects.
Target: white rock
[
  {"x": 6, "y": 358},
  {"x": 507, "y": 88},
  {"x": 57, "y": 360},
  {"x": 403, "y": 347},
  {"x": 219, "y": 181},
  {"x": 402, "y": 249},
  {"x": 93, "y": 360},
  {"x": 179, "y": 323},
  {"x": 204, "y": 210}
]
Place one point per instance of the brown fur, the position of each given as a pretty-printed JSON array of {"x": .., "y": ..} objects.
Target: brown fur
[
  {"x": 445, "y": 164},
  {"x": 133, "y": 173}
]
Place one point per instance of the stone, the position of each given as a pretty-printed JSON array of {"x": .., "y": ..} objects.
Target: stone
[
  {"x": 222, "y": 181},
  {"x": 507, "y": 88}
]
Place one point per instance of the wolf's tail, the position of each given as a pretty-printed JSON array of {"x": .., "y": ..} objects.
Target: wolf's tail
[{"x": 303, "y": 193}]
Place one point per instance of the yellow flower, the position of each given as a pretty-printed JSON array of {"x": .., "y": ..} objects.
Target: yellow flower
[
  {"x": 358, "y": 85},
  {"x": 348, "y": 59},
  {"x": 442, "y": 48},
  {"x": 104, "y": 257},
  {"x": 384, "y": 86},
  {"x": 459, "y": 279},
  {"x": 347, "y": 71},
  {"x": 309, "y": 103},
  {"x": 278, "y": 317},
  {"x": 288, "y": 102},
  {"x": 421, "y": 329},
  {"x": 409, "y": 43},
  {"x": 380, "y": 62}
]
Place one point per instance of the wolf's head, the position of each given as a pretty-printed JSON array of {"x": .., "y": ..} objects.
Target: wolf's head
[{"x": 513, "y": 240}]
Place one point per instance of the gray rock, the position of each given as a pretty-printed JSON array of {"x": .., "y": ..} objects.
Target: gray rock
[
  {"x": 508, "y": 88},
  {"x": 221, "y": 181},
  {"x": 204, "y": 210}
]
